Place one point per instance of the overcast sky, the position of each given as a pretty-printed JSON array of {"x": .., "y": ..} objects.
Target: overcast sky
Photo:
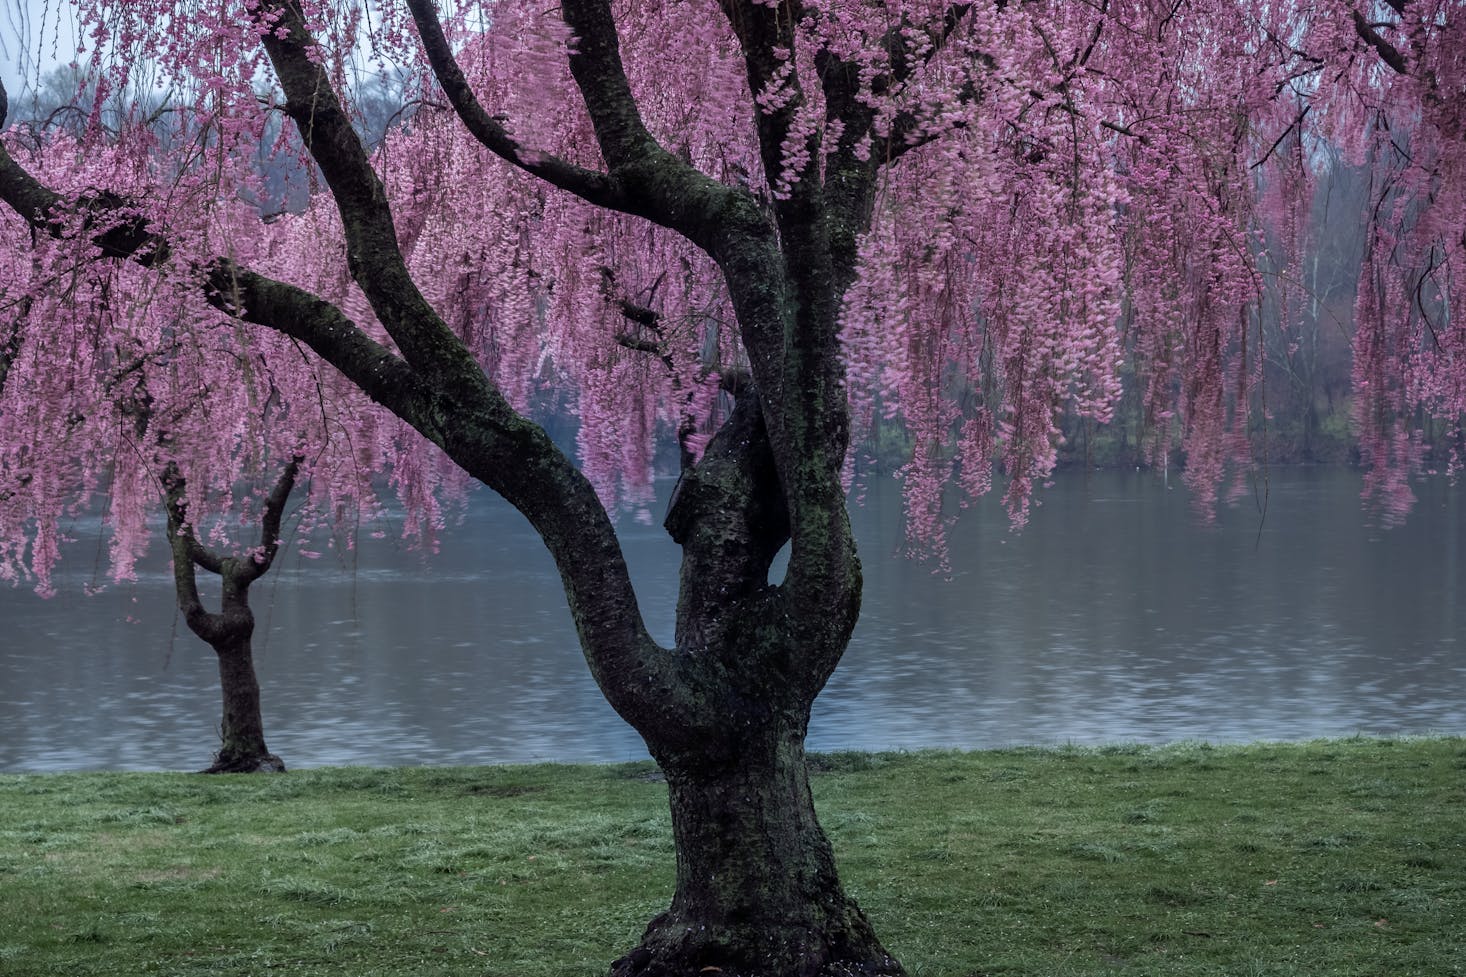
[{"x": 35, "y": 36}]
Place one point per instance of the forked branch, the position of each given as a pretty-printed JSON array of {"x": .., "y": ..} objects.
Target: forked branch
[
  {"x": 1387, "y": 52},
  {"x": 596, "y": 188}
]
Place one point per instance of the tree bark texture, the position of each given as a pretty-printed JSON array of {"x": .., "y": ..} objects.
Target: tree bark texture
[
  {"x": 242, "y": 746},
  {"x": 757, "y": 891}
]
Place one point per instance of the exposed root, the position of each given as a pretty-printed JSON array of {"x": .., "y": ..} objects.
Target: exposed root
[
  {"x": 686, "y": 952},
  {"x": 250, "y": 763}
]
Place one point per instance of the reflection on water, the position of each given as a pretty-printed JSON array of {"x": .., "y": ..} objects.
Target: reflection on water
[{"x": 1113, "y": 616}]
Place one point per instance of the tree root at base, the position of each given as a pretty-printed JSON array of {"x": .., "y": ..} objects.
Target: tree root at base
[{"x": 251, "y": 763}]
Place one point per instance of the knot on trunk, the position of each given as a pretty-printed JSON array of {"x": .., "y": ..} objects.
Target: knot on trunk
[
  {"x": 734, "y": 491},
  {"x": 729, "y": 514}
]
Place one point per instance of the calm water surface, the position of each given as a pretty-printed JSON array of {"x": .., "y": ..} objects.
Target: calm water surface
[{"x": 1115, "y": 616}]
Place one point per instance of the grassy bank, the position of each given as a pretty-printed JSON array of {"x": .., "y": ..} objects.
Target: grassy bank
[{"x": 1331, "y": 858}]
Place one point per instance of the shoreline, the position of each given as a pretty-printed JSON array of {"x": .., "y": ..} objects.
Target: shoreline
[{"x": 821, "y": 760}]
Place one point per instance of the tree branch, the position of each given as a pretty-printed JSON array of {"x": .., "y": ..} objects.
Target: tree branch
[
  {"x": 596, "y": 188},
  {"x": 270, "y": 523},
  {"x": 372, "y": 253},
  {"x": 726, "y": 222},
  {"x": 898, "y": 141},
  {"x": 10, "y": 349},
  {"x": 654, "y": 183},
  {"x": 902, "y": 67},
  {"x": 1387, "y": 52},
  {"x": 595, "y": 64},
  {"x": 639, "y": 345},
  {"x": 188, "y": 552},
  {"x": 1125, "y": 131},
  {"x": 639, "y": 314},
  {"x": 787, "y": 296},
  {"x": 1283, "y": 135},
  {"x": 766, "y": 37},
  {"x": 232, "y": 289},
  {"x": 651, "y": 319}
]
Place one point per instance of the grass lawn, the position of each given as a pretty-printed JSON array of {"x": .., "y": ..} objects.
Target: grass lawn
[{"x": 1342, "y": 857}]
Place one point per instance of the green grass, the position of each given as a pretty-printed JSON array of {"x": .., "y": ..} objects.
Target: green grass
[{"x": 1329, "y": 858}]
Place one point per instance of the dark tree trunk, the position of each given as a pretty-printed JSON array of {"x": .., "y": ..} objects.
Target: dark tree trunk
[
  {"x": 242, "y": 746},
  {"x": 1311, "y": 426},
  {"x": 757, "y": 891}
]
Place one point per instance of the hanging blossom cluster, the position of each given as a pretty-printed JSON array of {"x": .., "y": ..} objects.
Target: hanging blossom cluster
[
  {"x": 568, "y": 306},
  {"x": 1332, "y": 93},
  {"x": 987, "y": 307},
  {"x": 1409, "y": 333},
  {"x": 1072, "y": 195},
  {"x": 365, "y": 445},
  {"x": 1207, "y": 203},
  {"x": 990, "y": 294},
  {"x": 1132, "y": 187}
]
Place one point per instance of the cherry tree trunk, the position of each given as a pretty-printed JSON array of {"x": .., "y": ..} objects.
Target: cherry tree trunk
[
  {"x": 241, "y": 729},
  {"x": 757, "y": 891},
  {"x": 242, "y": 746}
]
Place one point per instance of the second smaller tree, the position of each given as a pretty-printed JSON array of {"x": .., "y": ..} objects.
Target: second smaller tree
[{"x": 229, "y": 630}]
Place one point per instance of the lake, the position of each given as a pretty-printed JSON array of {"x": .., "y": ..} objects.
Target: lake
[{"x": 1116, "y": 615}]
